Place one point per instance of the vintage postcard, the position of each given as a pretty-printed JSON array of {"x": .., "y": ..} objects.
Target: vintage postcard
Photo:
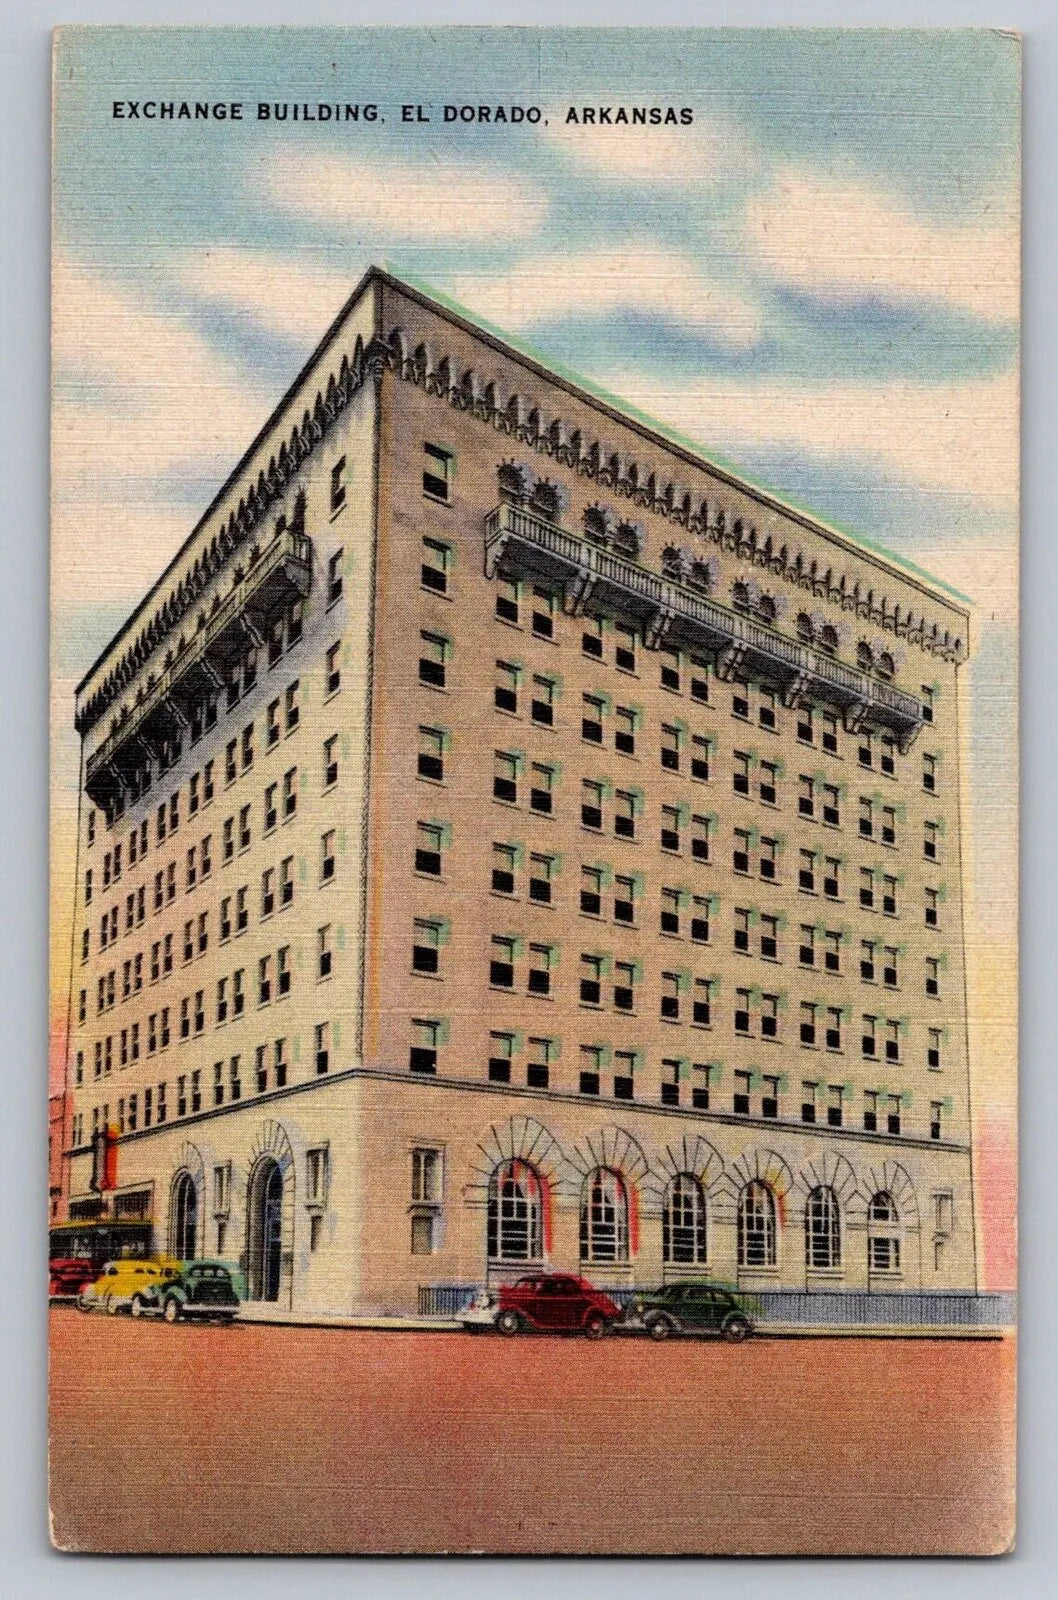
[{"x": 534, "y": 791}]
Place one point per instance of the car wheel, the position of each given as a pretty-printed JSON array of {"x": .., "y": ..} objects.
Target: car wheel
[
  {"x": 138, "y": 1308},
  {"x": 735, "y": 1329},
  {"x": 661, "y": 1328},
  {"x": 84, "y": 1303},
  {"x": 594, "y": 1325},
  {"x": 509, "y": 1322},
  {"x": 171, "y": 1310},
  {"x": 110, "y": 1305}
]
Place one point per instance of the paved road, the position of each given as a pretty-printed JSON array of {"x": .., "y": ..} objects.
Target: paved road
[{"x": 285, "y": 1439}]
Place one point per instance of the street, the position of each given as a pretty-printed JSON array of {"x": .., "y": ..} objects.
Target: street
[{"x": 287, "y": 1439}]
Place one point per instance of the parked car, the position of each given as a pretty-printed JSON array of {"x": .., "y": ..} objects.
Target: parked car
[
  {"x": 122, "y": 1284},
  {"x": 202, "y": 1290},
  {"x": 690, "y": 1307},
  {"x": 543, "y": 1302},
  {"x": 68, "y": 1275}
]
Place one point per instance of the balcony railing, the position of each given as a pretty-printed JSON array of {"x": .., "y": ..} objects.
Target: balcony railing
[
  {"x": 281, "y": 571},
  {"x": 518, "y": 540}
]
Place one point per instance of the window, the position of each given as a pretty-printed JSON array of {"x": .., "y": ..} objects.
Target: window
[
  {"x": 538, "y": 1067},
  {"x": 670, "y": 911},
  {"x": 333, "y": 672},
  {"x": 505, "y": 777},
  {"x": 929, "y": 774},
  {"x": 543, "y": 613},
  {"x": 701, "y": 1003},
  {"x": 322, "y": 1046},
  {"x": 286, "y": 881},
  {"x": 624, "y": 905},
  {"x": 869, "y": 1039},
  {"x": 437, "y": 473},
  {"x": 272, "y": 729},
  {"x": 806, "y": 801},
  {"x": 835, "y": 1105},
  {"x": 832, "y": 877},
  {"x": 740, "y": 855},
  {"x": 335, "y": 576},
  {"x": 890, "y": 972},
  {"x": 767, "y": 711},
  {"x": 936, "y": 1110},
  {"x": 743, "y": 919},
  {"x": 670, "y": 670},
  {"x": 591, "y": 797},
  {"x": 338, "y": 485},
  {"x": 264, "y": 980},
  {"x": 624, "y": 992},
  {"x": 742, "y": 999},
  {"x": 806, "y": 877},
  {"x": 932, "y": 975},
  {"x": 624, "y": 822},
  {"x": 327, "y": 856},
  {"x": 540, "y": 962},
  {"x": 434, "y": 652},
  {"x": 625, "y": 648},
  {"x": 244, "y": 828},
  {"x": 506, "y": 600},
  {"x": 283, "y": 970},
  {"x": 700, "y": 909},
  {"x": 505, "y": 691},
  {"x": 501, "y": 1053},
  {"x": 930, "y": 837},
  {"x": 883, "y": 1234},
  {"x": 833, "y": 1030},
  {"x": 670, "y": 827},
  {"x": 426, "y": 1036},
  {"x": 541, "y": 786},
  {"x": 591, "y": 639},
  {"x": 238, "y": 997},
  {"x": 591, "y": 879},
  {"x": 767, "y": 775},
  {"x": 436, "y": 565},
  {"x": 542, "y": 708},
  {"x": 592, "y": 710},
  {"x": 808, "y": 1022},
  {"x": 242, "y": 915},
  {"x": 822, "y": 1230},
  {"x": 700, "y": 757},
  {"x": 429, "y": 838},
  {"x": 889, "y": 825},
  {"x": 426, "y": 946},
  {"x": 683, "y": 1235},
  {"x": 625, "y": 736},
  {"x": 867, "y": 888},
  {"x": 515, "y": 1214},
  {"x": 604, "y": 1217},
  {"x": 893, "y": 1113},
  {"x": 809, "y": 1097},
  {"x": 870, "y": 1111},
  {"x": 425, "y": 1176},
  {"x": 740, "y": 774},
  {"x": 700, "y": 837},
  {"x": 936, "y": 1036},
  {"x": 670, "y": 748},
  {"x": 430, "y": 760},
  {"x": 501, "y": 964},
  {"x": 740, "y": 699},
  {"x": 290, "y": 793},
  {"x": 889, "y": 907},
  {"x": 865, "y": 753},
  {"x": 591, "y": 969},
  {"x": 222, "y": 1000},
  {"x": 756, "y": 1226},
  {"x": 831, "y": 805}
]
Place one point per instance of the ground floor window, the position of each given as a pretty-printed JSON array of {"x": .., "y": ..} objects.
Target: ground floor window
[
  {"x": 883, "y": 1234},
  {"x": 683, "y": 1221},
  {"x": 822, "y": 1229},
  {"x": 604, "y": 1217},
  {"x": 515, "y": 1214},
  {"x": 756, "y": 1226}
]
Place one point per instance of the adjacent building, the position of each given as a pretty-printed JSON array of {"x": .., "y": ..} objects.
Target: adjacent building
[{"x": 506, "y": 838}]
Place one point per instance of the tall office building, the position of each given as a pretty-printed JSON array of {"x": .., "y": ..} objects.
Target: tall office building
[{"x": 506, "y": 838}]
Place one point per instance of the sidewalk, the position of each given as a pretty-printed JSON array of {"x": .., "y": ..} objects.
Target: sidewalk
[{"x": 778, "y": 1330}]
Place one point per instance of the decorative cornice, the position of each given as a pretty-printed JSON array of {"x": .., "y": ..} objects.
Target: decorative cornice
[{"x": 618, "y": 472}]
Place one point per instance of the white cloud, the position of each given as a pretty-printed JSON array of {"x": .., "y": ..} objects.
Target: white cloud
[
  {"x": 960, "y": 438},
  {"x": 696, "y": 157},
  {"x": 290, "y": 295},
  {"x": 641, "y": 277},
  {"x": 847, "y": 240},
  {"x": 140, "y": 397},
  {"x": 393, "y": 202}
]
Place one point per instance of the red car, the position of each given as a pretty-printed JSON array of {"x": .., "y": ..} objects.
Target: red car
[
  {"x": 543, "y": 1302},
  {"x": 68, "y": 1275}
]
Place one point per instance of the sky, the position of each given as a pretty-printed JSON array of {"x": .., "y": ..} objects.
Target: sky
[{"x": 815, "y": 278}]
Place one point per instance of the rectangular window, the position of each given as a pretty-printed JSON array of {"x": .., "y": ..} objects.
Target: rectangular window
[
  {"x": 426, "y": 947},
  {"x": 769, "y": 937},
  {"x": 740, "y": 772},
  {"x": 430, "y": 759},
  {"x": 743, "y": 1085},
  {"x": 290, "y": 793},
  {"x": 700, "y": 758},
  {"x": 591, "y": 796},
  {"x": 808, "y": 1022},
  {"x": 429, "y": 837},
  {"x": 541, "y": 870},
  {"x": 740, "y": 699},
  {"x": 434, "y": 652},
  {"x": 740, "y": 854},
  {"x": 892, "y": 1120},
  {"x": 670, "y": 748},
  {"x": 244, "y": 828},
  {"x": 670, "y": 1082},
  {"x": 626, "y": 640},
  {"x": 670, "y": 911},
  {"x": 505, "y": 777},
  {"x": 324, "y": 953},
  {"x": 541, "y": 787},
  {"x": 832, "y": 877},
  {"x": 624, "y": 822},
  {"x": 809, "y": 1095},
  {"x": 591, "y": 639},
  {"x": 542, "y": 707},
  {"x": 592, "y": 708},
  {"x": 322, "y": 1042},
  {"x": 543, "y": 613},
  {"x": 889, "y": 825},
  {"x": 540, "y": 961},
  {"x": 936, "y": 1110},
  {"x": 625, "y": 734},
  {"x": 831, "y": 805},
  {"x": 670, "y": 670},
  {"x": 870, "y": 1111},
  {"x": 425, "y": 1038},
  {"x": 264, "y": 980},
  {"x": 591, "y": 891},
  {"x": 670, "y": 827},
  {"x": 272, "y": 729},
  {"x": 501, "y": 964},
  {"x": 436, "y": 565},
  {"x": 507, "y": 595},
  {"x": 767, "y": 711},
  {"x": 932, "y": 975},
  {"x": 869, "y": 1040},
  {"x": 624, "y": 990},
  {"x": 327, "y": 855},
  {"x": 867, "y": 888},
  {"x": 702, "y": 1003},
  {"x": 835, "y": 1105},
  {"x": 936, "y": 1036},
  {"x": 538, "y": 1067},
  {"x": 438, "y": 472},
  {"x": 624, "y": 906},
  {"x": 889, "y": 886},
  {"x": 806, "y": 796},
  {"x": 591, "y": 1056},
  {"x": 769, "y": 859},
  {"x": 283, "y": 970},
  {"x": 286, "y": 881},
  {"x": 505, "y": 691},
  {"x": 333, "y": 671},
  {"x": 338, "y": 485},
  {"x": 591, "y": 980}
]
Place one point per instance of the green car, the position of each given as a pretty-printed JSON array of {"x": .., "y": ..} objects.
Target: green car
[{"x": 689, "y": 1307}]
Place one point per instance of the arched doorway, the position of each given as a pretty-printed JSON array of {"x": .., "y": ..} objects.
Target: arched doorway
[
  {"x": 183, "y": 1223},
  {"x": 265, "y": 1231}
]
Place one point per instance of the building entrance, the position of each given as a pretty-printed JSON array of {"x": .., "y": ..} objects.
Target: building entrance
[
  {"x": 265, "y": 1251},
  {"x": 184, "y": 1224}
]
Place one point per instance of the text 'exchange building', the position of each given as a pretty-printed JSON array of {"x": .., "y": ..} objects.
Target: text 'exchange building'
[{"x": 508, "y": 839}]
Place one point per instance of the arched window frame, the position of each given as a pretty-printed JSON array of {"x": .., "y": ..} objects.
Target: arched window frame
[
  {"x": 515, "y": 1217},
  {"x": 822, "y": 1230},
  {"x": 604, "y": 1217},
  {"x": 757, "y": 1229},
  {"x": 684, "y": 1222}
]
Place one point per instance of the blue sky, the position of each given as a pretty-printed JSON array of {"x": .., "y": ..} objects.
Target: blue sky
[{"x": 816, "y": 280}]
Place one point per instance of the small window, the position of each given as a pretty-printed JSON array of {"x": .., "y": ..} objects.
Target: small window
[
  {"x": 434, "y": 651},
  {"x": 438, "y": 472},
  {"x": 436, "y": 565},
  {"x": 334, "y": 578},
  {"x": 338, "y": 485}
]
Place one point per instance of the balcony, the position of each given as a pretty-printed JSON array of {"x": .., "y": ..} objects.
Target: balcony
[
  {"x": 281, "y": 573},
  {"x": 519, "y": 543}
]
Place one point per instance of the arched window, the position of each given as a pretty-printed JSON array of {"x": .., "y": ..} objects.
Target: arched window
[
  {"x": 756, "y": 1226},
  {"x": 886, "y": 667},
  {"x": 604, "y": 1217},
  {"x": 864, "y": 657},
  {"x": 822, "y": 1229},
  {"x": 883, "y": 1234},
  {"x": 740, "y": 595},
  {"x": 515, "y": 1214},
  {"x": 805, "y": 630},
  {"x": 183, "y": 1228},
  {"x": 828, "y": 640},
  {"x": 683, "y": 1221},
  {"x": 766, "y": 610}
]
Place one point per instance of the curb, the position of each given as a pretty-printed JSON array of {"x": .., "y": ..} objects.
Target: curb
[{"x": 768, "y": 1330}]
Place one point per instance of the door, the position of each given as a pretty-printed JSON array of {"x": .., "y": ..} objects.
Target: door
[{"x": 271, "y": 1235}]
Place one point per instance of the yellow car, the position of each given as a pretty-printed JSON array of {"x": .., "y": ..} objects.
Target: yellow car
[{"x": 122, "y": 1285}]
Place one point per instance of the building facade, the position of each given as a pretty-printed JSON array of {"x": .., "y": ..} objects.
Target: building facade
[{"x": 508, "y": 839}]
